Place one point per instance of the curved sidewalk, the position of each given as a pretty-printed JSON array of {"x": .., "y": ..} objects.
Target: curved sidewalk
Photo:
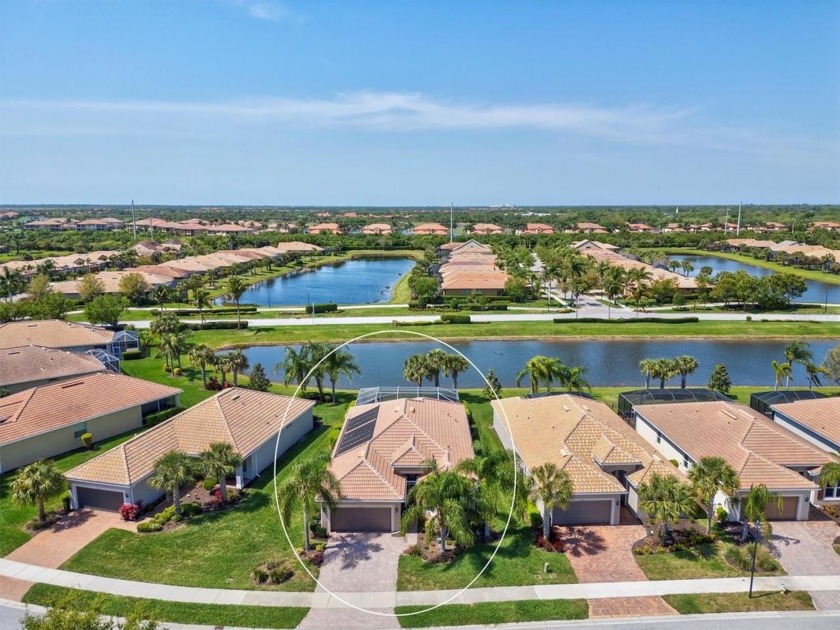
[{"x": 601, "y": 590}]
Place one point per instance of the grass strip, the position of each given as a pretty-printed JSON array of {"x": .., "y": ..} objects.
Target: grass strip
[
  {"x": 494, "y": 613},
  {"x": 704, "y": 603},
  {"x": 167, "y": 611}
]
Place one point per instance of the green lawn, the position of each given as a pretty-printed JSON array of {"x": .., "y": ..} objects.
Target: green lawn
[
  {"x": 13, "y": 517},
  {"x": 739, "y": 602},
  {"x": 151, "y": 369},
  {"x": 165, "y": 611},
  {"x": 491, "y": 613},
  {"x": 216, "y": 550},
  {"x": 704, "y": 561}
]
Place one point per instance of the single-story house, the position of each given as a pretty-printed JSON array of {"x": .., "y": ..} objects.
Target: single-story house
[
  {"x": 430, "y": 229},
  {"x": 72, "y": 336},
  {"x": 604, "y": 457},
  {"x": 816, "y": 420},
  {"x": 49, "y": 420},
  {"x": 380, "y": 455},
  {"x": 760, "y": 451},
  {"x": 26, "y": 367},
  {"x": 246, "y": 419}
]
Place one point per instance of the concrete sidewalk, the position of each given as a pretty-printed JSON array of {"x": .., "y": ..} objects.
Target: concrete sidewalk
[{"x": 389, "y": 599}]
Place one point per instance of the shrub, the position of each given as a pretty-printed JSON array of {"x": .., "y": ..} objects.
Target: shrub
[
  {"x": 167, "y": 368},
  {"x": 721, "y": 514},
  {"x": 87, "y": 439},
  {"x": 453, "y": 318},
  {"x": 148, "y": 527},
  {"x": 319, "y": 546},
  {"x": 536, "y": 519},
  {"x": 191, "y": 509},
  {"x": 213, "y": 384},
  {"x": 330, "y": 307},
  {"x": 156, "y": 418},
  {"x": 634, "y": 320},
  {"x": 165, "y": 515},
  {"x": 259, "y": 575},
  {"x": 413, "y": 550},
  {"x": 749, "y": 318},
  {"x": 130, "y": 511},
  {"x": 740, "y": 556},
  {"x": 209, "y": 484},
  {"x": 231, "y": 325},
  {"x": 177, "y": 518},
  {"x": 675, "y": 462},
  {"x": 132, "y": 355},
  {"x": 176, "y": 371},
  {"x": 66, "y": 501},
  {"x": 315, "y": 558}
]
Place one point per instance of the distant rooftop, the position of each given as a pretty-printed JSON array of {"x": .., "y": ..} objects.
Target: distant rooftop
[{"x": 369, "y": 395}]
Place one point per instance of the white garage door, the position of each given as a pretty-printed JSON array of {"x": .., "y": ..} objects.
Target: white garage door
[
  {"x": 584, "y": 513},
  {"x": 349, "y": 519}
]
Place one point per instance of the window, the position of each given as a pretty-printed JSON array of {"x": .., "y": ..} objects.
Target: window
[
  {"x": 79, "y": 430},
  {"x": 658, "y": 438},
  {"x": 832, "y": 492}
]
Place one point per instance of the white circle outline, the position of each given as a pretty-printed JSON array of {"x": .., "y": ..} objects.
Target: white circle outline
[{"x": 513, "y": 494}]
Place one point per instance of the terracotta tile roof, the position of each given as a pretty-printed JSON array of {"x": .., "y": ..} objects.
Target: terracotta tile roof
[
  {"x": 821, "y": 415},
  {"x": 430, "y": 228},
  {"x": 49, "y": 407},
  {"x": 377, "y": 228},
  {"x": 736, "y": 433},
  {"x": 52, "y": 333},
  {"x": 538, "y": 228},
  {"x": 487, "y": 228},
  {"x": 406, "y": 432},
  {"x": 111, "y": 281},
  {"x": 26, "y": 364},
  {"x": 576, "y": 434},
  {"x": 297, "y": 246},
  {"x": 244, "y": 418}
]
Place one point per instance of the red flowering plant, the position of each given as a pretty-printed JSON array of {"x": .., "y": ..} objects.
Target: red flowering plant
[{"x": 130, "y": 511}]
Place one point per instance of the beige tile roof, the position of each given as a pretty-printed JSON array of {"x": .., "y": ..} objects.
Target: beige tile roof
[
  {"x": 52, "y": 333},
  {"x": 430, "y": 228},
  {"x": 487, "y": 228},
  {"x": 538, "y": 228},
  {"x": 743, "y": 437},
  {"x": 407, "y": 432},
  {"x": 244, "y": 418},
  {"x": 49, "y": 407},
  {"x": 111, "y": 281},
  {"x": 26, "y": 364},
  {"x": 298, "y": 246},
  {"x": 576, "y": 433},
  {"x": 821, "y": 415},
  {"x": 377, "y": 228}
]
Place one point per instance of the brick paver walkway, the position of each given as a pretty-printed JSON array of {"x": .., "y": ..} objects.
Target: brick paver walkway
[
  {"x": 629, "y": 607},
  {"x": 12, "y": 588}
]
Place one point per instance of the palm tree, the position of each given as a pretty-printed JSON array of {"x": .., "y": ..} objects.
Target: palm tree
[
  {"x": 11, "y": 282},
  {"x": 647, "y": 367},
  {"x": 237, "y": 362},
  {"x": 414, "y": 369},
  {"x": 453, "y": 365},
  {"x": 435, "y": 364},
  {"x": 338, "y": 363},
  {"x": 160, "y": 294},
  {"x": 220, "y": 461},
  {"x": 201, "y": 300},
  {"x": 222, "y": 363},
  {"x": 573, "y": 377},
  {"x": 202, "y": 355},
  {"x": 687, "y": 267},
  {"x": 830, "y": 474},
  {"x": 295, "y": 367},
  {"x": 36, "y": 483},
  {"x": 685, "y": 365},
  {"x": 540, "y": 369},
  {"x": 797, "y": 352},
  {"x": 235, "y": 288},
  {"x": 665, "y": 498},
  {"x": 171, "y": 346},
  {"x": 780, "y": 371},
  {"x": 494, "y": 470},
  {"x": 174, "y": 470},
  {"x": 754, "y": 508},
  {"x": 814, "y": 372},
  {"x": 440, "y": 498},
  {"x": 708, "y": 477},
  {"x": 309, "y": 480},
  {"x": 316, "y": 353},
  {"x": 664, "y": 370},
  {"x": 553, "y": 488}
]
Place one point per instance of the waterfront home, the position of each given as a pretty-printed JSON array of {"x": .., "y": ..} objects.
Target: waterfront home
[
  {"x": 430, "y": 229},
  {"x": 246, "y": 419},
  {"x": 25, "y": 367},
  {"x": 50, "y": 420},
  {"x": 381, "y": 453},
  {"x": 760, "y": 451},
  {"x": 377, "y": 229},
  {"x": 470, "y": 268},
  {"x": 73, "y": 336},
  {"x": 298, "y": 247},
  {"x": 816, "y": 420},
  {"x": 537, "y": 228},
  {"x": 604, "y": 457}
]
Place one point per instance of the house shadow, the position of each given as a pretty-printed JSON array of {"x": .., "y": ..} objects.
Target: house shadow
[
  {"x": 352, "y": 548},
  {"x": 74, "y": 519},
  {"x": 582, "y": 541}
]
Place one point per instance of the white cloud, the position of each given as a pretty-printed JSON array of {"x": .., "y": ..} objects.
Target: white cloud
[{"x": 264, "y": 9}]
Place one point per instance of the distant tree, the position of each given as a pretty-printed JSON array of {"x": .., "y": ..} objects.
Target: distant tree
[
  {"x": 39, "y": 286},
  {"x": 238, "y": 362},
  {"x": 831, "y": 364},
  {"x": 236, "y": 287},
  {"x": 295, "y": 366},
  {"x": 453, "y": 365},
  {"x": 517, "y": 289},
  {"x": 164, "y": 323},
  {"x": 813, "y": 372},
  {"x": 50, "y": 305},
  {"x": 35, "y": 483},
  {"x": 171, "y": 346},
  {"x": 90, "y": 287},
  {"x": 664, "y": 370},
  {"x": 201, "y": 301},
  {"x": 11, "y": 282},
  {"x": 435, "y": 363},
  {"x": 105, "y": 309},
  {"x": 414, "y": 369},
  {"x": 495, "y": 386},
  {"x": 780, "y": 370},
  {"x": 338, "y": 363},
  {"x": 647, "y": 367},
  {"x": 161, "y": 294},
  {"x": 172, "y": 471},
  {"x": 719, "y": 380},
  {"x": 202, "y": 355},
  {"x": 134, "y": 287},
  {"x": 797, "y": 352},
  {"x": 258, "y": 380}
]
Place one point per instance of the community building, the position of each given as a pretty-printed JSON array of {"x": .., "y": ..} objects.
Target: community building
[
  {"x": 26, "y": 367},
  {"x": 246, "y": 419}
]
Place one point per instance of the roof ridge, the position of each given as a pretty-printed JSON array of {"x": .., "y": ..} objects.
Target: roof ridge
[
  {"x": 125, "y": 462},
  {"x": 381, "y": 477},
  {"x": 425, "y": 433},
  {"x": 225, "y": 422},
  {"x": 26, "y": 402}
]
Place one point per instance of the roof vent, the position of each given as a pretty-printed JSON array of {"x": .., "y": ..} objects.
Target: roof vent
[
  {"x": 411, "y": 409},
  {"x": 565, "y": 408},
  {"x": 4, "y": 418},
  {"x": 235, "y": 397}
]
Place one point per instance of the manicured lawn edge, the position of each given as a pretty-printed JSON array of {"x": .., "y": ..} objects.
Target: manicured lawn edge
[
  {"x": 705, "y": 603},
  {"x": 494, "y": 613},
  {"x": 167, "y": 611}
]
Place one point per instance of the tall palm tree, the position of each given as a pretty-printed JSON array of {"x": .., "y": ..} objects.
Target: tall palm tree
[
  {"x": 220, "y": 461},
  {"x": 830, "y": 474},
  {"x": 171, "y": 345},
  {"x": 435, "y": 364},
  {"x": 201, "y": 300},
  {"x": 553, "y": 487},
  {"x": 161, "y": 294},
  {"x": 36, "y": 483},
  {"x": 664, "y": 370},
  {"x": 11, "y": 282},
  {"x": 440, "y": 498},
  {"x": 685, "y": 364},
  {"x": 172, "y": 471},
  {"x": 797, "y": 352},
  {"x": 309, "y": 479},
  {"x": 574, "y": 379},
  {"x": 780, "y": 371},
  {"x": 339, "y": 363},
  {"x": 708, "y": 477},
  {"x": 222, "y": 363},
  {"x": 238, "y": 362},
  {"x": 295, "y": 367},
  {"x": 540, "y": 369},
  {"x": 647, "y": 367},
  {"x": 454, "y": 365},
  {"x": 414, "y": 369},
  {"x": 813, "y": 372},
  {"x": 494, "y": 470},
  {"x": 754, "y": 508},
  {"x": 315, "y": 353},
  {"x": 235, "y": 288},
  {"x": 665, "y": 498},
  {"x": 202, "y": 355}
]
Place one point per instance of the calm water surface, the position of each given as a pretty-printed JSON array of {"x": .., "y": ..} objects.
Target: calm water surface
[
  {"x": 817, "y": 291},
  {"x": 608, "y": 363}
]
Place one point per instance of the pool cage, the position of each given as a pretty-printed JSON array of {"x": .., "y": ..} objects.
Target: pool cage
[
  {"x": 125, "y": 340},
  {"x": 368, "y": 395},
  {"x": 763, "y": 402},
  {"x": 628, "y": 400},
  {"x": 110, "y": 362}
]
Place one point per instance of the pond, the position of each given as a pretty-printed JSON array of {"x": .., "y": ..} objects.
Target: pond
[
  {"x": 817, "y": 291},
  {"x": 358, "y": 281},
  {"x": 608, "y": 362}
]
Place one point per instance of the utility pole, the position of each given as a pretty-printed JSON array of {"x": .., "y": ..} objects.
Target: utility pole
[
  {"x": 133, "y": 220},
  {"x": 738, "y": 230},
  {"x": 451, "y": 212}
]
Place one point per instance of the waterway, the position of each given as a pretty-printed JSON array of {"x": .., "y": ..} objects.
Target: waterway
[
  {"x": 608, "y": 362},
  {"x": 358, "y": 281},
  {"x": 817, "y": 291}
]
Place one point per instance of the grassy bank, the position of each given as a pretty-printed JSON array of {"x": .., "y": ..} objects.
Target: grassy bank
[
  {"x": 492, "y": 613},
  {"x": 166, "y": 611},
  {"x": 738, "y": 602}
]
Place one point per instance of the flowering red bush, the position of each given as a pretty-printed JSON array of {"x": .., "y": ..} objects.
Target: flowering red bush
[
  {"x": 543, "y": 543},
  {"x": 130, "y": 511}
]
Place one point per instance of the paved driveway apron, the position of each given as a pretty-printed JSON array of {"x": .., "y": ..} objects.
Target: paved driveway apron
[
  {"x": 602, "y": 553},
  {"x": 805, "y": 548},
  {"x": 358, "y": 563}
]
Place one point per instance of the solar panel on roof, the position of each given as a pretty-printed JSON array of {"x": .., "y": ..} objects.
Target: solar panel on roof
[{"x": 358, "y": 431}]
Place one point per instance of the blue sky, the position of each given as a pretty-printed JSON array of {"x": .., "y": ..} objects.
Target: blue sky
[{"x": 419, "y": 103}]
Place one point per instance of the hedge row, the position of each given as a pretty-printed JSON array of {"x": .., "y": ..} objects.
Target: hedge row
[
  {"x": 132, "y": 355},
  {"x": 184, "y": 312},
  {"x": 455, "y": 318},
  {"x": 321, "y": 308},
  {"x": 156, "y": 418},
  {"x": 638, "y": 320},
  {"x": 417, "y": 306},
  {"x": 232, "y": 325}
]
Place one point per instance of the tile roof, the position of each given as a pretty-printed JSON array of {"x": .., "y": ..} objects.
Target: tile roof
[
  {"x": 578, "y": 435},
  {"x": 52, "y": 333},
  {"x": 244, "y": 418},
  {"x": 742, "y": 436},
  {"x": 821, "y": 415},
  {"x": 26, "y": 364},
  {"x": 406, "y": 432},
  {"x": 49, "y": 407}
]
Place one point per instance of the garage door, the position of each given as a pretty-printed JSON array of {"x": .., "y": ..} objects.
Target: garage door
[
  {"x": 584, "y": 513},
  {"x": 361, "y": 520},
  {"x": 787, "y": 513},
  {"x": 99, "y": 499}
]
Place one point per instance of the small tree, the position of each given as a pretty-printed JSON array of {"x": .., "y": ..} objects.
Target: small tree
[
  {"x": 831, "y": 364},
  {"x": 173, "y": 471},
  {"x": 39, "y": 286},
  {"x": 754, "y": 508},
  {"x": 134, "y": 287},
  {"x": 665, "y": 498},
  {"x": 235, "y": 288},
  {"x": 719, "y": 381},
  {"x": 553, "y": 487},
  {"x": 259, "y": 381},
  {"x": 36, "y": 483},
  {"x": 201, "y": 300},
  {"x": 495, "y": 386},
  {"x": 90, "y": 287},
  {"x": 202, "y": 355},
  {"x": 685, "y": 365},
  {"x": 105, "y": 309},
  {"x": 708, "y": 477},
  {"x": 220, "y": 461},
  {"x": 309, "y": 479}
]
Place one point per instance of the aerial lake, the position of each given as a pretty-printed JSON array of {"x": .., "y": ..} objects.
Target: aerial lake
[
  {"x": 359, "y": 281},
  {"x": 608, "y": 362},
  {"x": 817, "y": 291}
]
